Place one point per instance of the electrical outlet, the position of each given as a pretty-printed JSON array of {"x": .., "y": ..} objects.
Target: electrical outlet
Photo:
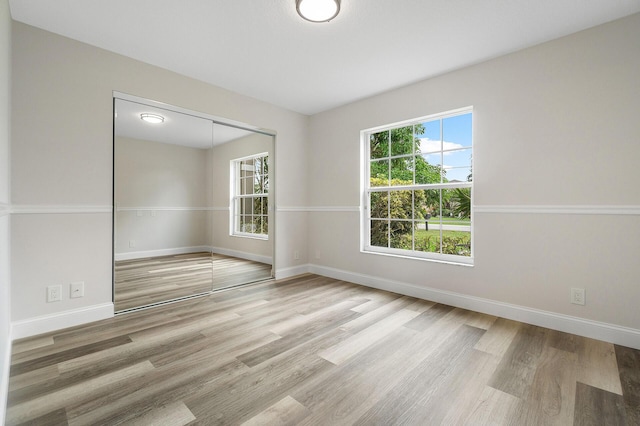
[
  {"x": 132, "y": 243},
  {"x": 54, "y": 293},
  {"x": 578, "y": 296},
  {"x": 77, "y": 289},
  {"x": 317, "y": 254},
  {"x": 296, "y": 255}
]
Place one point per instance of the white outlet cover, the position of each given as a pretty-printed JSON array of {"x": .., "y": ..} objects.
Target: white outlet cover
[
  {"x": 578, "y": 296},
  {"x": 54, "y": 293}
]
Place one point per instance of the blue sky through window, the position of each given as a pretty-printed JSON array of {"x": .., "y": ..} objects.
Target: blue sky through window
[{"x": 451, "y": 133}]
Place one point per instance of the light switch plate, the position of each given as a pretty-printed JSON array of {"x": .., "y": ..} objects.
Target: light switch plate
[{"x": 77, "y": 289}]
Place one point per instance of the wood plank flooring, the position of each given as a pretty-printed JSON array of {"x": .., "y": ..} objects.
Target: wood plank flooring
[
  {"x": 312, "y": 350},
  {"x": 142, "y": 282}
]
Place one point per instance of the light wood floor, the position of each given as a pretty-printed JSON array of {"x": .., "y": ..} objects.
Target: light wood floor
[
  {"x": 315, "y": 351},
  {"x": 142, "y": 282}
]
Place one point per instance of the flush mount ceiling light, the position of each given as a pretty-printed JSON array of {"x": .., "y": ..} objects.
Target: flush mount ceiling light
[
  {"x": 318, "y": 10},
  {"x": 152, "y": 118}
]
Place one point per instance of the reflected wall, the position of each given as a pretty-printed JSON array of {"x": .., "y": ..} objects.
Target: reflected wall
[{"x": 162, "y": 195}]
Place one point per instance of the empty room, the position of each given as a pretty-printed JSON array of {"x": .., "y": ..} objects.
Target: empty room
[{"x": 326, "y": 212}]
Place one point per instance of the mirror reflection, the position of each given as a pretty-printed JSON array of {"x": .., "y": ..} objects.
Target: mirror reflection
[{"x": 191, "y": 204}]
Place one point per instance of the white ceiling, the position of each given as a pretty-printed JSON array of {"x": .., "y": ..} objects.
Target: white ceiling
[{"x": 262, "y": 49}]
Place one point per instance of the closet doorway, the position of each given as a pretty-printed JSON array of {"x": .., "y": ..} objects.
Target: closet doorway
[{"x": 193, "y": 203}]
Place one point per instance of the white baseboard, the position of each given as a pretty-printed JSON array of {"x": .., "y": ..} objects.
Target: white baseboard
[
  {"x": 161, "y": 252},
  {"x": 284, "y": 273},
  {"x": 242, "y": 255},
  {"x": 619, "y": 335},
  {"x": 183, "y": 250},
  {"x": 4, "y": 378},
  {"x": 60, "y": 320}
]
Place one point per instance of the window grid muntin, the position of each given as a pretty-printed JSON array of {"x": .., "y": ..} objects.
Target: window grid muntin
[{"x": 440, "y": 186}]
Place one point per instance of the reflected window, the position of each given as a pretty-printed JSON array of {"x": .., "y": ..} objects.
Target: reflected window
[
  {"x": 250, "y": 201},
  {"x": 418, "y": 187}
]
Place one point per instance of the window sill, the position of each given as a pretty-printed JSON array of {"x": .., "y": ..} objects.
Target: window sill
[
  {"x": 445, "y": 259},
  {"x": 251, "y": 236}
]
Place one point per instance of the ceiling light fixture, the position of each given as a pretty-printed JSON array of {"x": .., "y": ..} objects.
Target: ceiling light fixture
[
  {"x": 152, "y": 118},
  {"x": 318, "y": 10}
]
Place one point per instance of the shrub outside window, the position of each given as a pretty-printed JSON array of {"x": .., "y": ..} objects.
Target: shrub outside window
[
  {"x": 418, "y": 188},
  {"x": 250, "y": 200}
]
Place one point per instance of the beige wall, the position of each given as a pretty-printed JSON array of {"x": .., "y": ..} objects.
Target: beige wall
[
  {"x": 176, "y": 181},
  {"x": 62, "y": 161},
  {"x": 554, "y": 125},
  {"x": 5, "y": 133}
]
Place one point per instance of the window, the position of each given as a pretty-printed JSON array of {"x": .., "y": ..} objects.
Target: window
[
  {"x": 250, "y": 200},
  {"x": 418, "y": 188}
]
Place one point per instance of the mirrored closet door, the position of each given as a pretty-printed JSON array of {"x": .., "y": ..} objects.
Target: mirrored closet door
[{"x": 192, "y": 206}]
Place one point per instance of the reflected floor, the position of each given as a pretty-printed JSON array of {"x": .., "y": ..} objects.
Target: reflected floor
[{"x": 142, "y": 282}]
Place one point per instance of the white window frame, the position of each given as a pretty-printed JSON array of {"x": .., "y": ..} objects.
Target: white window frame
[
  {"x": 236, "y": 197},
  {"x": 366, "y": 189}
]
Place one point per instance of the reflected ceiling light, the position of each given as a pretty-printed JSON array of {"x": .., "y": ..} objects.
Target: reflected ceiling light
[
  {"x": 152, "y": 118},
  {"x": 318, "y": 10}
]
